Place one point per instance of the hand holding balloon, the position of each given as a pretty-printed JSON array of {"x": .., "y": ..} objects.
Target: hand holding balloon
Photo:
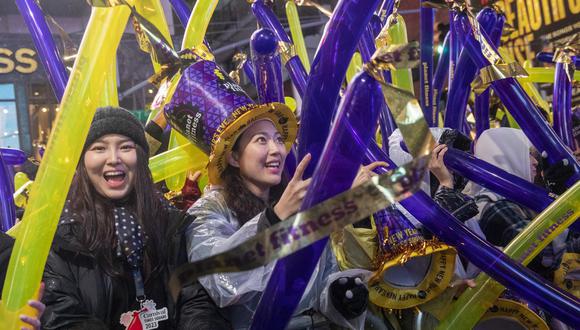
[
  {"x": 556, "y": 175},
  {"x": 39, "y": 307},
  {"x": 438, "y": 168},
  {"x": 366, "y": 172},
  {"x": 294, "y": 193}
]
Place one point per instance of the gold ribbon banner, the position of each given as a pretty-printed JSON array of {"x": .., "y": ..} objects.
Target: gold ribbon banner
[
  {"x": 308, "y": 226},
  {"x": 403, "y": 105},
  {"x": 496, "y": 72},
  {"x": 287, "y": 51},
  {"x": 397, "y": 56}
]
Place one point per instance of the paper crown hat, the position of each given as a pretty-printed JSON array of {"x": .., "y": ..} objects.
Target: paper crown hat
[
  {"x": 510, "y": 312},
  {"x": 410, "y": 269},
  {"x": 212, "y": 111}
]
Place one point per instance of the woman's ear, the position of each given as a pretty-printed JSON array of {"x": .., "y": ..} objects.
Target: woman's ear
[{"x": 232, "y": 158}]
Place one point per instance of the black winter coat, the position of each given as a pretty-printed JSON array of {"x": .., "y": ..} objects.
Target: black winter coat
[{"x": 80, "y": 295}]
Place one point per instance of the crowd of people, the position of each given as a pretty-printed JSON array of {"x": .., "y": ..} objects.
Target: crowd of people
[{"x": 119, "y": 238}]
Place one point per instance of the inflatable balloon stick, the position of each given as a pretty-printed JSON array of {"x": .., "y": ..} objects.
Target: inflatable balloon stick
[
  {"x": 110, "y": 95},
  {"x": 515, "y": 99},
  {"x": 427, "y": 16},
  {"x": 177, "y": 160},
  {"x": 7, "y": 208},
  {"x": 57, "y": 168},
  {"x": 198, "y": 23},
  {"x": 328, "y": 71},
  {"x": 562, "y": 96},
  {"x": 544, "y": 75},
  {"x": 296, "y": 31},
  {"x": 291, "y": 60},
  {"x": 402, "y": 78},
  {"x": 177, "y": 181},
  {"x": 474, "y": 302},
  {"x": 182, "y": 11},
  {"x": 354, "y": 66},
  {"x": 528, "y": 85},
  {"x": 44, "y": 43}
]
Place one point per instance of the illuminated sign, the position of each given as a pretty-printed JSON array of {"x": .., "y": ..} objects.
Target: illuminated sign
[
  {"x": 539, "y": 21},
  {"x": 22, "y": 60}
]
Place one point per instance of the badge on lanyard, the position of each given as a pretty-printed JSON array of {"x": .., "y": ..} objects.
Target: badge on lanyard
[{"x": 148, "y": 317}]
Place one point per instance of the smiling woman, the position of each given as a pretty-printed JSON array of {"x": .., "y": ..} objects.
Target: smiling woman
[{"x": 117, "y": 242}]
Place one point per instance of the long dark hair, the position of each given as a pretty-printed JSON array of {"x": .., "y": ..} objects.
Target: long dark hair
[
  {"x": 240, "y": 199},
  {"x": 97, "y": 233}
]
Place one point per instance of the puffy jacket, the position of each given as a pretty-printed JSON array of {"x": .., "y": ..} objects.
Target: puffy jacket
[{"x": 80, "y": 295}]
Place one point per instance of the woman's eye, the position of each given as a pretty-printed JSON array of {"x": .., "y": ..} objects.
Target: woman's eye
[
  {"x": 280, "y": 140},
  {"x": 98, "y": 148},
  {"x": 261, "y": 139},
  {"x": 127, "y": 147}
]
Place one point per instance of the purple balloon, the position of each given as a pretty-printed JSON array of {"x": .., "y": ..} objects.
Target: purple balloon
[
  {"x": 248, "y": 68},
  {"x": 44, "y": 43},
  {"x": 547, "y": 58},
  {"x": 519, "y": 104},
  {"x": 489, "y": 259},
  {"x": 482, "y": 100},
  {"x": 387, "y": 7},
  {"x": 481, "y": 113},
  {"x": 367, "y": 48},
  {"x": 494, "y": 178},
  {"x": 427, "y": 17},
  {"x": 269, "y": 83},
  {"x": 267, "y": 66},
  {"x": 441, "y": 73},
  {"x": 7, "y": 208},
  {"x": 329, "y": 66},
  {"x": 267, "y": 18},
  {"x": 465, "y": 71},
  {"x": 562, "y": 106},
  {"x": 366, "y": 45},
  {"x": 182, "y": 11},
  {"x": 455, "y": 47},
  {"x": 13, "y": 156},
  {"x": 338, "y": 166}
]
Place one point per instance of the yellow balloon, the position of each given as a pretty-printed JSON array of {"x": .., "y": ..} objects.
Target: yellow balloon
[
  {"x": 354, "y": 66},
  {"x": 474, "y": 302},
  {"x": 203, "y": 182},
  {"x": 198, "y": 23},
  {"x": 20, "y": 178},
  {"x": 290, "y": 102},
  {"x": 110, "y": 96},
  {"x": 177, "y": 160},
  {"x": 296, "y": 31},
  {"x": 97, "y": 49},
  {"x": 527, "y": 84},
  {"x": 402, "y": 78},
  {"x": 21, "y": 185},
  {"x": 152, "y": 11},
  {"x": 176, "y": 182}
]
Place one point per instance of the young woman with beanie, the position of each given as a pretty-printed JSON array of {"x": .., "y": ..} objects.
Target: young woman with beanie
[{"x": 118, "y": 241}]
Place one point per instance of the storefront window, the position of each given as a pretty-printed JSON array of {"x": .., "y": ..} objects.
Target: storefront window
[{"x": 8, "y": 117}]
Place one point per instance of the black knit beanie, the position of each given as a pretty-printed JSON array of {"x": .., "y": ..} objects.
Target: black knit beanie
[{"x": 115, "y": 120}]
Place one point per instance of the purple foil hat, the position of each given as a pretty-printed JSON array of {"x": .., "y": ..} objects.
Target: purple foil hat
[
  {"x": 211, "y": 110},
  {"x": 411, "y": 269},
  {"x": 204, "y": 97}
]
